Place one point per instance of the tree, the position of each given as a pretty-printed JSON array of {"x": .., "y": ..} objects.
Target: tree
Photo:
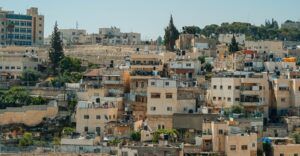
[
  {"x": 191, "y": 30},
  {"x": 70, "y": 64},
  {"x": 201, "y": 59},
  {"x": 30, "y": 76},
  {"x": 208, "y": 67},
  {"x": 67, "y": 131},
  {"x": 296, "y": 137},
  {"x": 172, "y": 134},
  {"x": 171, "y": 35},
  {"x": 136, "y": 136},
  {"x": 56, "y": 53},
  {"x": 18, "y": 97},
  {"x": 26, "y": 140},
  {"x": 234, "y": 46},
  {"x": 238, "y": 109}
]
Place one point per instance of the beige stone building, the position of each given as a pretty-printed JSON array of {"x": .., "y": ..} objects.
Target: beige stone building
[
  {"x": 220, "y": 137},
  {"x": 275, "y": 47},
  {"x": 37, "y": 26},
  {"x": 92, "y": 117},
  {"x": 143, "y": 66},
  {"x": 161, "y": 103},
  {"x": 250, "y": 90},
  {"x": 13, "y": 64}
]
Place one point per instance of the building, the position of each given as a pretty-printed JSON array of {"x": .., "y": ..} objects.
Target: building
[
  {"x": 226, "y": 38},
  {"x": 218, "y": 136},
  {"x": 274, "y": 47},
  {"x": 20, "y": 29},
  {"x": 91, "y": 117},
  {"x": 291, "y": 25},
  {"x": 71, "y": 36},
  {"x": 143, "y": 66},
  {"x": 284, "y": 146},
  {"x": 12, "y": 64},
  {"x": 161, "y": 103},
  {"x": 250, "y": 90}
]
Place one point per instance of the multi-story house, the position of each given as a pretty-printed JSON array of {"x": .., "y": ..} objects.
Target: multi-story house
[
  {"x": 219, "y": 137},
  {"x": 71, "y": 36},
  {"x": 161, "y": 103},
  {"x": 250, "y": 90},
  {"x": 226, "y": 38},
  {"x": 13, "y": 64},
  {"x": 143, "y": 66},
  {"x": 91, "y": 117},
  {"x": 20, "y": 29}
]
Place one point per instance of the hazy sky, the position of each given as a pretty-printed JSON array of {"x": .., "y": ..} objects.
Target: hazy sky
[{"x": 150, "y": 17}]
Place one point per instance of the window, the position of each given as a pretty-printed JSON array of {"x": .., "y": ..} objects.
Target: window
[
  {"x": 152, "y": 108},
  {"x": 219, "y": 98},
  {"x": 214, "y": 98},
  {"x": 114, "y": 116},
  {"x": 142, "y": 84},
  {"x": 86, "y": 116},
  {"x": 158, "y": 127},
  {"x": 253, "y": 144},
  {"x": 229, "y": 99},
  {"x": 244, "y": 147},
  {"x": 12, "y": 67},
  {"x": 229, "y": 87},
  {"x": 237, "y": 99},
  {"x": 0, "y": 67},
  {"x": 282, "y": 99},
  {"x": 98, "y": 117},
  {"x": 98, "y": 129},
  {"x": 188, "y": 65},
  {"x": 6, "y": 67},
  {"x": 215, "y": 87},
  {"x": 167, "y": 84},
  {"x": 221, "y": 87},
  {"x": 18, "y": 67},
  {"x": 155, "y": 95},
  {"x": 136, "y": 84},
  {"x": 237, "y": 87},
  {"x": 152, "y": 83},
  {"x": 232, "y": 147},
  {"x": 169, "y": 108},
  {"x": 168, "y": 95},
  {"x": 220, "y": 131},
  {"x": 296, "y": 154},
  {"x": 86, "y": 129},
  {"x": 281, "y": 154}
]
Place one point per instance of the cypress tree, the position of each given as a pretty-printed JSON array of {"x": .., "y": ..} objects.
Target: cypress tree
[
  {"x": 171, "y": 35},
  {"x": 234, "y": 46},
  {"x": 56, "y": 52}
]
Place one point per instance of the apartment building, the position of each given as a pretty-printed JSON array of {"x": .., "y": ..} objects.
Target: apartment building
[
  {"x": 71, "y": 36},
  {"x": 183, "y": 69},
  {"x": 284, "y": 147},
  {"x": 274, "y": 47},
  {"x": 12, "y": 64},
  {"x": 286, "y": 90},
  {"x": 143, "y": 66},
  {"x": 250, "y": 90},
  {"x": 92, "y": 117},
  {"x": 161, "y": 103},
  {"x": 226, "y": 38},
  {"x": 218, "y": 136},
  {"x": 20, "y": 29}
]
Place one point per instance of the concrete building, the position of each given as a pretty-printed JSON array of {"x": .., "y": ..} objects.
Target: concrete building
[
  {"x": 284, "y": 146},
  {"x": 91, "y": 117},
  {"x": 21, "y": 30},
  {"x": 13, "y": 64},
  {"x": 219, "y": 137},
  {"x": 161, "y": 103},
  {"x": 274, "y": 47},
  {"x": 286, "y": 95},
  {"x": 143, "y": 66},
  {"x": 71, "y": 36},
  {"x": 226, "y": 38},
  {"x": 250, "y": 90}
]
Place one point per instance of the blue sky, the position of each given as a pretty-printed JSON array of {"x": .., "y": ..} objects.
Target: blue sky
[{"x": 150, "y": 17}]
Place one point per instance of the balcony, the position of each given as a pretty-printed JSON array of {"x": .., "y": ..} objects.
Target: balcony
[{"x": 112, "y": 82}]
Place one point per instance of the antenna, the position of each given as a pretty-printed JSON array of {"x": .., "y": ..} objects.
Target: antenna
[{"x": 76, "y": 24}]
